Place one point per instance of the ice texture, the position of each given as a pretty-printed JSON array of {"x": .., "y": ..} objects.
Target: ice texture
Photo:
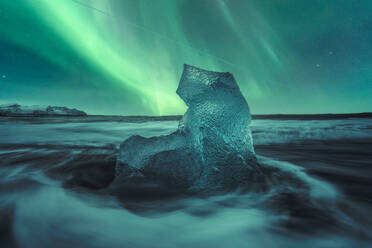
[{"x": 212, "y": 148}]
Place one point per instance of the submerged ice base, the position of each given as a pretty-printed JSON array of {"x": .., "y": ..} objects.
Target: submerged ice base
[{"x": 212, "y": 148}]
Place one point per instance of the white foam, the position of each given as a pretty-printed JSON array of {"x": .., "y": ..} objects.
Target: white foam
[{"x": 287, "y": 131}]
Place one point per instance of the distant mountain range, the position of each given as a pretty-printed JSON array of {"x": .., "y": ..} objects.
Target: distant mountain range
[{"x": 35, "y": 110}]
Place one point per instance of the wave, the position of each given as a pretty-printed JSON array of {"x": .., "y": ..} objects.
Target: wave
[
  {"x": 289, "y": 131},
  {"x": 300, "y": 210},
  {"x": 47, "y": 215}
]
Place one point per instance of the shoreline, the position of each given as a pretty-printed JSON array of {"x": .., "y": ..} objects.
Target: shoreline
[{"x": 135, "y": 118}]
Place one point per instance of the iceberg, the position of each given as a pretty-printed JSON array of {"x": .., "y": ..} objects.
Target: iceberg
[{"x": 211, "y": 150}]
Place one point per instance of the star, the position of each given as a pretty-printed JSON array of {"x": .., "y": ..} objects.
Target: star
[
  {"x": 3, "y": 76},
  {"x": 317, "y": 65}
]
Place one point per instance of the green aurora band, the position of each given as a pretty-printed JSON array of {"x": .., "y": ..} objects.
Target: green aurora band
[{"x": 126, "y": 57}]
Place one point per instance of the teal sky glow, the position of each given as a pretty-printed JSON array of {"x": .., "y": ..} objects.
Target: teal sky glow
[{"x": 125, "y": 57}]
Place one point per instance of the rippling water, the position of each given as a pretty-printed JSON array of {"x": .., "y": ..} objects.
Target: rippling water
[{"x": 43, "y": 205}]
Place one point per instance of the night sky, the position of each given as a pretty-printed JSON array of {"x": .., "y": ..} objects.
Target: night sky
[{"x": 126, "y": 56}]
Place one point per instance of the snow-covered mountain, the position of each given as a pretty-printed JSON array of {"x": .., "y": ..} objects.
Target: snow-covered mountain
[{"x": 35, "y": 110}]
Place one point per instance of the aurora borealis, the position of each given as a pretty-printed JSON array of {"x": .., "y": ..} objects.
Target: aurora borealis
[{"x": 126, "y": 56}]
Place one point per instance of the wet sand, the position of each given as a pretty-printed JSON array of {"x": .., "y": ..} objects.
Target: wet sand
[{"x": 345, "y": 163}]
